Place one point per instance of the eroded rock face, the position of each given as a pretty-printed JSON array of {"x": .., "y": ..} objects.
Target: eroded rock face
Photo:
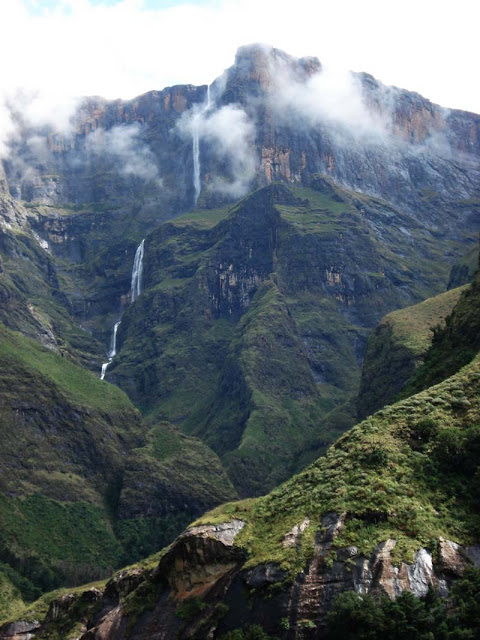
[
  {"x": 20, "y": 630},
  {"x": 205, "y": 566}
]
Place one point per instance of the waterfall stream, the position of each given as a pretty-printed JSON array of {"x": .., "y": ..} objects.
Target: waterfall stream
[
  {"x": 137, "y": 272},
  {"x": 196, "y": 146},
  {"x": 135, "y": 291}
]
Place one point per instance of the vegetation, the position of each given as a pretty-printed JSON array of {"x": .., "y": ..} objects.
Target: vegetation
[
  {"x": 454, "y": 345},
  {"x": 363, "y": 617},
  {"x": 387, "y": 475},
  {"x": 73, "y": 449},
  {"x": 397, "y": 347},
  {"x": 251, "y": 332}
]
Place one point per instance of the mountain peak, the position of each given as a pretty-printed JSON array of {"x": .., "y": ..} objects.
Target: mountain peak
[{"x": 259, "y": 67}]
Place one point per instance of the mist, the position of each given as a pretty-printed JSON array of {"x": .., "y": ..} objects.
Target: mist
[
  {"x": 228, "y": 133},
  {"x": 123, "y": 145}
]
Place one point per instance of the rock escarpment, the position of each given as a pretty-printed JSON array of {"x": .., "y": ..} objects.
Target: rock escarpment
[
  {"x": 272, "y": 298},
  {"x": 201, "y": 589}
]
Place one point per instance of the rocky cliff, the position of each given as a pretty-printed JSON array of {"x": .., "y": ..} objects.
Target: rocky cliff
[{"x": 252, "y": 325}]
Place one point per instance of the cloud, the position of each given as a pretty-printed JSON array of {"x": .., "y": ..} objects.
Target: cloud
[
  {"x": 122, "y": 49},
  {"x": 125, "y": 146},
  {"x": 229, "y": 134},
  {"x": 331, "y": 96}
]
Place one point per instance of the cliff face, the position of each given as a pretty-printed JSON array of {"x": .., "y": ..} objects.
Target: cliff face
[
  {"x": 392, "y": 143},
  {"x": 270, "y": 300},
  {"x": 94, "y": 191},
  {"x": 250, "y": 334}
]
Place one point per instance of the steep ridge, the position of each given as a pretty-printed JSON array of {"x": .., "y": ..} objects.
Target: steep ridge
[
  {"x": 252, "y": 325},
  {"x": 453, "y": 345},
  {"x": 391, "y": 507},
  {"x": 398, "y": 346},
  {"x": 250, "y": 332}
]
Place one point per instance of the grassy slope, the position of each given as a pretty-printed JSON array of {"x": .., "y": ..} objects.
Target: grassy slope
[
  {"x": 397, "y": 347},
  {"x": 63, "y": 433},
  {"x": 454, "y": 345},
  {"x": 410, "y": 472},
  {"x": 65, "y": 439},
  {"x": 383, "y": 475}
]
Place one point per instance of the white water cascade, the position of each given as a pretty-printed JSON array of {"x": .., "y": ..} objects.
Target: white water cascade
[
  {"x": 136, "y": 290},
  {"x": 196, "y": 146},
  {"x": 113, "y": 350},
  {"x": 137, "y": 272}
]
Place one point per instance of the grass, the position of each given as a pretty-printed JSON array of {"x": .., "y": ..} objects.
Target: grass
[
  {"x": 376, "y": 475},
  {"x": 397, "y": 347},
  {"x": 77, "y": 384}
]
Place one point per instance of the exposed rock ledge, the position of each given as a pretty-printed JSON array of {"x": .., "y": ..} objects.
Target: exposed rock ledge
[{"x": 203, "y": 564}]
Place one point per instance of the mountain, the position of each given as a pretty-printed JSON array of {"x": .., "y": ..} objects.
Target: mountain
[
  {"x": 73, "y": 457},
  {"x": 281, "y": 215},
  {"x": 391, "y": 509}
]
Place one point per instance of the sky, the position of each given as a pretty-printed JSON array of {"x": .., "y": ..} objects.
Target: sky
[{"x": 122, "y": 48}]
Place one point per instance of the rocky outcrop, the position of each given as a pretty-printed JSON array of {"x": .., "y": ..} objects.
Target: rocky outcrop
[
  {"x": 202, "y": 572},
  {"x": 21, "y": 630}
]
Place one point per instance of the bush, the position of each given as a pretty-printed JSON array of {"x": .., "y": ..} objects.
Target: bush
[
  {"x": 422, "y": 433},
  {"x": 362, "y": 617}
]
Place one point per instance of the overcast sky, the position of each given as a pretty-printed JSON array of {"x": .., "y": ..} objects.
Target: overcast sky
[{"x": 123, "y": 48}]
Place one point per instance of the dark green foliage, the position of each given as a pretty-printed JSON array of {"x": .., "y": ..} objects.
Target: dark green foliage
[
  {"x": 376, "y": 458},
  {"x": 190, "y": 609},
  {"x": 252, "y": 327},
  {"x": 253, "y": 632},
  {"x": 422, "y": 432},
  {"x": 141, "y": 537},
  {"x": 70, "y": 445},
  {"x": 458, "y": 451},
  {"x": 453, "y": 345},
  {"x": 464, "y": 270},
  {"x": 363, "y": 617},
  {"x": 397, "y": 347}
]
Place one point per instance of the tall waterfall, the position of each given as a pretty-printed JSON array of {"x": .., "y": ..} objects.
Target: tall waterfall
[
  {"x": 137, "y": 272},
  {"x": 136, "y": 290},
  {"x": 196, "y": 146}
]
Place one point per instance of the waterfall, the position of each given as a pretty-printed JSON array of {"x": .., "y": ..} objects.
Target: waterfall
[
  {"x": 113, "y": 350},
  {"x": 137, "y": 272},
  {"x": 196, "y": 162},
  {"x": 196, "y": 146},
  {"x": 113, "y": 343},
  {"x": 136, "y": 290}
]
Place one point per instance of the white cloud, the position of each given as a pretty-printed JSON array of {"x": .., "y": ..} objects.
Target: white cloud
[
  {"x": 78, "y": 48},
  {"x": 124, "y": 144},
  {"x": 122, "y": 50},
  {"x": 229, "y": 133},
  {"x": 331, "y": 96}
]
